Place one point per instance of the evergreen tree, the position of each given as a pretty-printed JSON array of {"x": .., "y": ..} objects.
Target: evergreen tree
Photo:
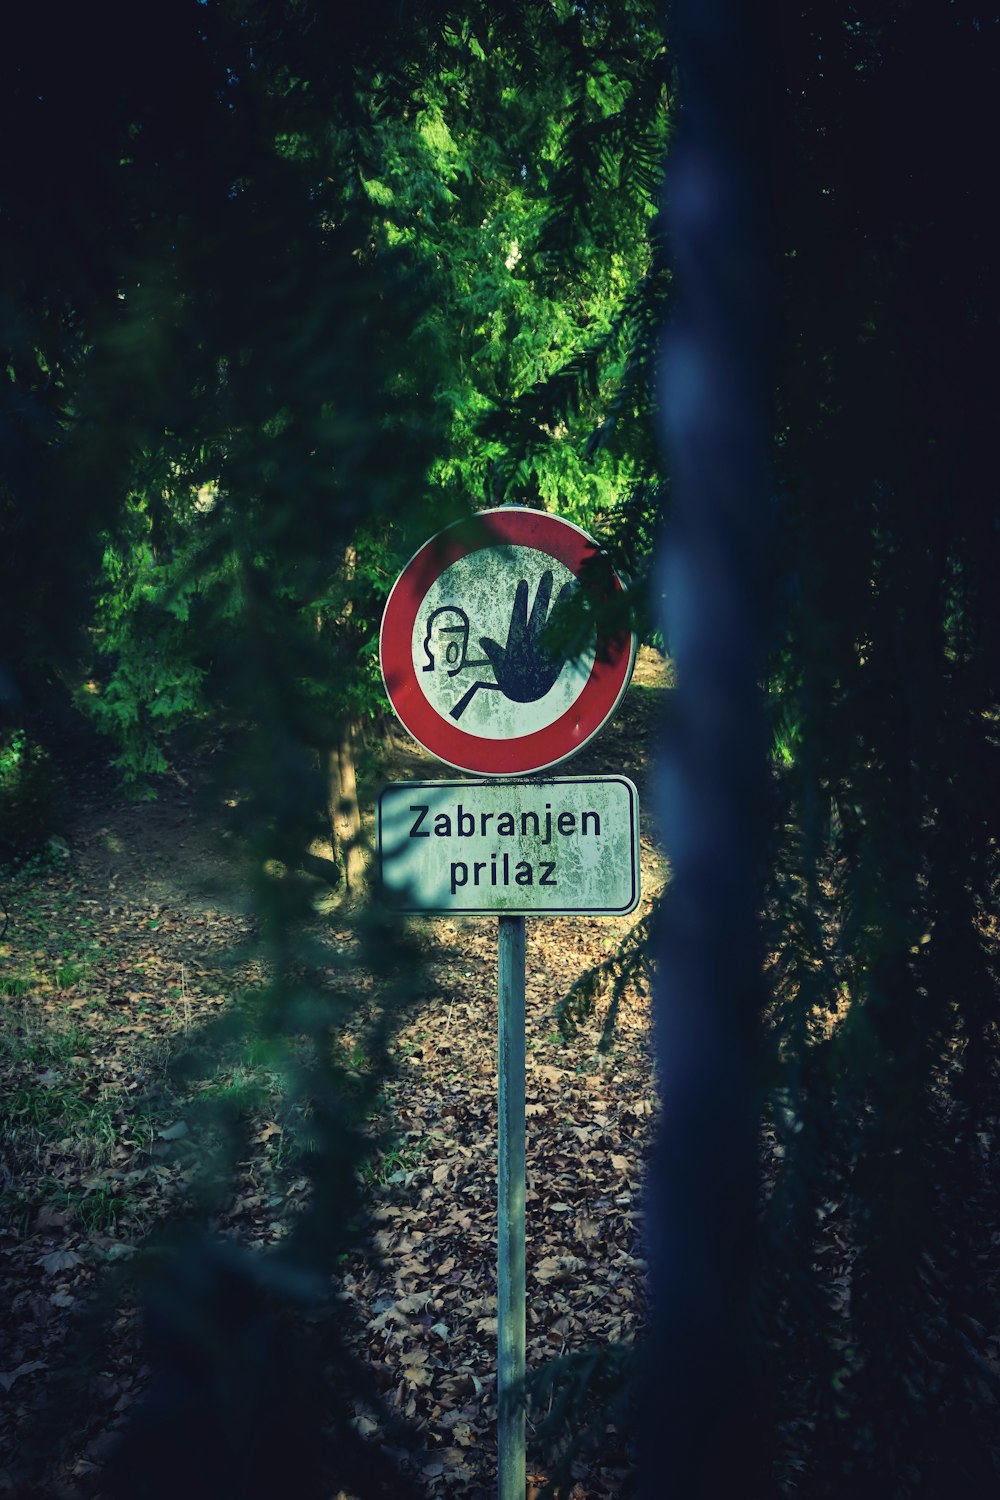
[{"x": 443, "y": 237}]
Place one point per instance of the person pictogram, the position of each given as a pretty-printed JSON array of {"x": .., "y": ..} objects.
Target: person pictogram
[{"x": 446, "y": 641}]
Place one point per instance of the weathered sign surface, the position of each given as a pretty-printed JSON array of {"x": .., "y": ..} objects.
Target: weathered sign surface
[
  {"x": 513, "y": 847},
  {"x": 466, "y": 660}
]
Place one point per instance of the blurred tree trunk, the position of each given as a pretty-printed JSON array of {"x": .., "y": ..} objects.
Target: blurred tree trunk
[
  {"x": 339, "y": 758},
  {"x": 702, "y": 1423},
  {"x": 343, "y": 810}
]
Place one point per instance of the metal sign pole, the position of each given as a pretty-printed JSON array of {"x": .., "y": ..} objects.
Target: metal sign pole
[
  {"x": 472, "y": 583},
  {"x": 510, "y": 1209}
]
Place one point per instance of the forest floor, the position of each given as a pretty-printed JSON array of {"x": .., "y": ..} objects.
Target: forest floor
[{"x": 131, "y": 933}]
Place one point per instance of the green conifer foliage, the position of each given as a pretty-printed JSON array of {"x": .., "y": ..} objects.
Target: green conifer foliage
[
  {"x": 365, "y": 295},
  {"x": 884, "y": 849}
]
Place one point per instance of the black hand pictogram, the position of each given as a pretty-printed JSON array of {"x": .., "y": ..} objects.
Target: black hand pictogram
[{"x": 525, "y": 669}]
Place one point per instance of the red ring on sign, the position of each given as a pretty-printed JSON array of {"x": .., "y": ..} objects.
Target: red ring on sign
[{"x": 517, "y": 526}]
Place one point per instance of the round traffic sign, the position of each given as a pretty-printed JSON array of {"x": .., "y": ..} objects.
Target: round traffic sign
[{"x": 466, "y": 657}]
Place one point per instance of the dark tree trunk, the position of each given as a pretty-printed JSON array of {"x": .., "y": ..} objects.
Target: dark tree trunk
[{"x": 701, "y": 1426}]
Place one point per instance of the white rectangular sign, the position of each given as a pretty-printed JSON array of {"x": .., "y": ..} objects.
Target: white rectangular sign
[{"x": 567, "y": 845}]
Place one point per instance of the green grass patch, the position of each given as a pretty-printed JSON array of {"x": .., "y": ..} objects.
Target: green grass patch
[
  {"x": 68, "y": 974},
  {"x": 46, "y": 1050},
  {"x": 242, "y": 1092},
  {"x": 103, "y": 1209},
  {"x": 46, "y": 1114},
  {"x": 397, "y": 1159},
  {"x": 15, "y": 985}
]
